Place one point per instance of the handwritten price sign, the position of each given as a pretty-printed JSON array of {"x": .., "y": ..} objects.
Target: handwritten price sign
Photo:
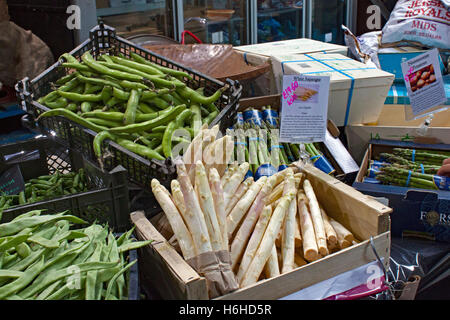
[
  {"x": 288, "y": 93},
  {"x": 409, "y": 75}
]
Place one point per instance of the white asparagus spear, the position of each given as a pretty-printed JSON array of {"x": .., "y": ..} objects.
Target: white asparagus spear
[
  {"x": 213, "y": 153},
  {"x": 243, "y": 205},
  {"x": 232, "y": 167},
  {"x": 298, "y": 235},
  {"x": 329, "y": 230},
  {"x": 208, "y": 137},
  {"x": 178, "y": 198},
  {"x": 217, "y": 194},
  {"x": 194, "y": 215},
  {"x": 241, "y": 238},
  {"x": 283, "y": 187},
  {"x": 180, "y": 230},
  {"x": 288, "y": 239},
  {"x": 316, "y": 217},
  {"x": 272, "y": 268},
  {"x": 277, "y": 192},
  {"x": 224, "y": 154},
  {"x": 267, "y": 242},
  {"x": 208, "y": 155},
  {"x": 229, "y": 189},
  {"x": 206, "y": 201},
  {"x": 240, "y": 192},
  {"x": 345, "y": 237},
  {"x": 194, "y": 146},
  {"x": 310, "y": 250},
  {"x": 254, "y": 241}
]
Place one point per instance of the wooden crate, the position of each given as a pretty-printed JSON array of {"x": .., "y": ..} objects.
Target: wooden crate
[{"x": 165, "y": 271}]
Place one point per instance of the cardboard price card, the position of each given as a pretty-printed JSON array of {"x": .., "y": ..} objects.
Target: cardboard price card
[
  {"x": 304, "y": 108},
  {"x": 424, "y": 84}
]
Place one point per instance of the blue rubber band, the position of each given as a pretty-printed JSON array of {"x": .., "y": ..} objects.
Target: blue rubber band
[
  {"x": 253, "y": 139},
  {"x": 413, "y": 155},
  {"x": 278, "y": 146},
  {"x": 409, "y": 178},
  {"x": 240, "y": 143},
  {"x": 423, "y": 169}
]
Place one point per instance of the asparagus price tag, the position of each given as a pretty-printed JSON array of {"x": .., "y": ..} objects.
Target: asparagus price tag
[
  {"x": 11, "y": 181},
  {"x": 424, "y": 83},
  {"x": 304, "y": 108}
]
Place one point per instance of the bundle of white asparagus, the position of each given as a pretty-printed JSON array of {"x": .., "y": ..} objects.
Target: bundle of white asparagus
[{"x": 269, "y": 226}]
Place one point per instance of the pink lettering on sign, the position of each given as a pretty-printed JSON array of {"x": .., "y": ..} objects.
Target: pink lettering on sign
[
  {"x": 409, "y": 75},
  {"x": 288, "y": 93}
]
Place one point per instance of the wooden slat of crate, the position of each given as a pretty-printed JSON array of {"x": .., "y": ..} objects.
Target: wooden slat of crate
[
  {"x": 361, "y": 214},
  {"x": 314, "y": 272},
  {"x": 163, "y": 268}
]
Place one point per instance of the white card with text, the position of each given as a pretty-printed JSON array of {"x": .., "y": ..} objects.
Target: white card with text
[
  {"x": 424, "y": 83},
  {"x": 304, "y": 108}
]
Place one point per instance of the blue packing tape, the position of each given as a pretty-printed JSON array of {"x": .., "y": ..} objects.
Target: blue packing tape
[
  {"x": 350, "y": 94},
  {"x": 245, "y": 57}
]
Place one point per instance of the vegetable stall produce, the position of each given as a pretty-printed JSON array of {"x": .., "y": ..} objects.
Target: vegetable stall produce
[
  {"x": 276, "y": 225},
  {"x": 140, "y": 104},
  {"x": 256, "y": 133},
  {"x": 46, "y": 187},
  {"x": 51, "y": 257},
  {"x": 409, "y": 168}
]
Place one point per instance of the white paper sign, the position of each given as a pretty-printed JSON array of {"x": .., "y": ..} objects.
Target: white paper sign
[
  {"x": 424, "y": 82},
  {"x": 304, "y": 108}
]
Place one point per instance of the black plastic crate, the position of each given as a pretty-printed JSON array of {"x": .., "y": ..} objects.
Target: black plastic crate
[
  {"x": 140, "y": 170},
  {"x": 107, "y": 198}
]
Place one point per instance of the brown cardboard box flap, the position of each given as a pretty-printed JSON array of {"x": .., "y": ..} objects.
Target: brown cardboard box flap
[{"x": 215, "y": 266}]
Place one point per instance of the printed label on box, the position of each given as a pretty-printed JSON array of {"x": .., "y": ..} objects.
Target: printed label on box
[{"x": 304, "y": 105}]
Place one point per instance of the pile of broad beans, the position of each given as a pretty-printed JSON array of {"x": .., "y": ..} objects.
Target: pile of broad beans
[{"x": 52, "y": 257}]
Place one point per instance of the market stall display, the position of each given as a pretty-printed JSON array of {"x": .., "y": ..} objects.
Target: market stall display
[
  {"x": 266, "y": 211},
  {"x": 419, "y": 199},
  {"x": 39, "y": 254},
  {"x": 229, "y": 212},
  {"x": 263, "y": 113},
  {"x": 57, "y": 179},
  {"x": 149, "y": 90}
]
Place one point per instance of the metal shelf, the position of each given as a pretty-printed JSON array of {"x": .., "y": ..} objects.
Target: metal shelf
[{"x": 112, "y": 11}]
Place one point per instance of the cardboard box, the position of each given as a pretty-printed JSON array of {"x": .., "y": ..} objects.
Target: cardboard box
[
  {"x": 391, "y": 59},
  {"x": 165, "y": 271},
  {"x": 398, "y": 94},
  {"x": 261, "y": 52},
  {"x": 352, "y": 84},
  {"x": 416, "y": 212},
  {"x": 391, "y": 125},
  {"x": 258, "y": 54},
  {"x": 335, "y": 152}
]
